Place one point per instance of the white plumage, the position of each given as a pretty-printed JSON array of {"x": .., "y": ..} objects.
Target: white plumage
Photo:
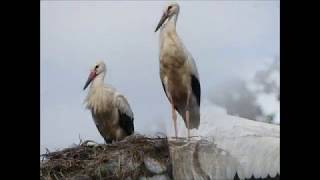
[
  {"x": 178, "y": 71},
  {"x": 110, "y": 109}
]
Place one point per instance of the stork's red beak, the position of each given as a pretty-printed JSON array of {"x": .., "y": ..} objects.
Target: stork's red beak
[
  {"x": 162, "y": 20},
  {"x": 90, "y": 78}
]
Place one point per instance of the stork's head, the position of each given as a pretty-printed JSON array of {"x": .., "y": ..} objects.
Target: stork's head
[
  {"x": 168, "y": 12},
  {"x": 98, "y": 69}
]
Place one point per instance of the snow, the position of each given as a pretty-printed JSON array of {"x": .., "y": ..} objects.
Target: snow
[{"x": 255, "y": 145}]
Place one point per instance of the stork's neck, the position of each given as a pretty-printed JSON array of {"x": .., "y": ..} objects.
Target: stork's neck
[
  {"x": 170, "y": 26},
  {"x": 169, "y": 36},
  {"x": 98, "y": 81}
]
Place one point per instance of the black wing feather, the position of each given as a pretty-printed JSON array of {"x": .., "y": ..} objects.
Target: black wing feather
[
  {"x": 126, "y": 123},
  {"x": 196, "y": 89},
  {"x": 106, "y": 139},
  {"x": 164, "y": 88}
]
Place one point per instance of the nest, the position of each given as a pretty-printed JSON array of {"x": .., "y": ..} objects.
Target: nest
[{"x": 119, "y": 160}]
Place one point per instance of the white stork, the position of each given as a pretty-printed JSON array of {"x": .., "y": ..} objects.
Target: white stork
[
  {"x": 110, "y": 110},
  {"x": 178, "y": 72}
]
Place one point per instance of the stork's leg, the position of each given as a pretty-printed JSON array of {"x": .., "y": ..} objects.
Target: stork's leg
[
  {"x": 174, "y": 117},
  {"x": 187, "y": 114}
]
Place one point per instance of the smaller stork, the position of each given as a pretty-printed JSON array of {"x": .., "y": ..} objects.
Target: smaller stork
[{"x": 110, "y": 110}]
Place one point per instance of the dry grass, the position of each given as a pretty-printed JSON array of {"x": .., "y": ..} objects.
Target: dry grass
[{"x": 119, "y": 160}]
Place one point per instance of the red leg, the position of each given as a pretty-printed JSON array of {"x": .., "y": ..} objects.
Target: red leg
[{"x": 174, "y": 117}]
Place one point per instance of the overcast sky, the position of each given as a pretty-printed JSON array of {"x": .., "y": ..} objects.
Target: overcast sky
[{"x": 226, "y": 39}]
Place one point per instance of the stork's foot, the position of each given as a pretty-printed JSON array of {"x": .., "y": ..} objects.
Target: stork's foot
[
  {"x": 179, "y": 138},
  {"x": 175, "y": 137},
  {"x": 191, "y": 138},
  {"x": 185, "y": 139}
]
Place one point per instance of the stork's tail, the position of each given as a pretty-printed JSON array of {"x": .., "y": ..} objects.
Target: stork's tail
[{"x": 194, "y": 117}]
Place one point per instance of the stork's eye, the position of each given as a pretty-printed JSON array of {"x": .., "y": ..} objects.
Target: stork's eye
[
  {"x": 169, "y": 8},
  {"x": 96, "y": 66}
]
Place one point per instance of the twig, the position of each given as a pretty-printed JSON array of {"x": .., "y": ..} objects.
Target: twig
[
  {"x": 80, "y": 140},
  {"x": 54, "y": 174},
  {"x": 87, "y": 141}
]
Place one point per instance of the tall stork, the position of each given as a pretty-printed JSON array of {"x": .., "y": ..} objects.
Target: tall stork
[
  {"x": 178, "y": 72},
  {"x": 110, "y": 110}
]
